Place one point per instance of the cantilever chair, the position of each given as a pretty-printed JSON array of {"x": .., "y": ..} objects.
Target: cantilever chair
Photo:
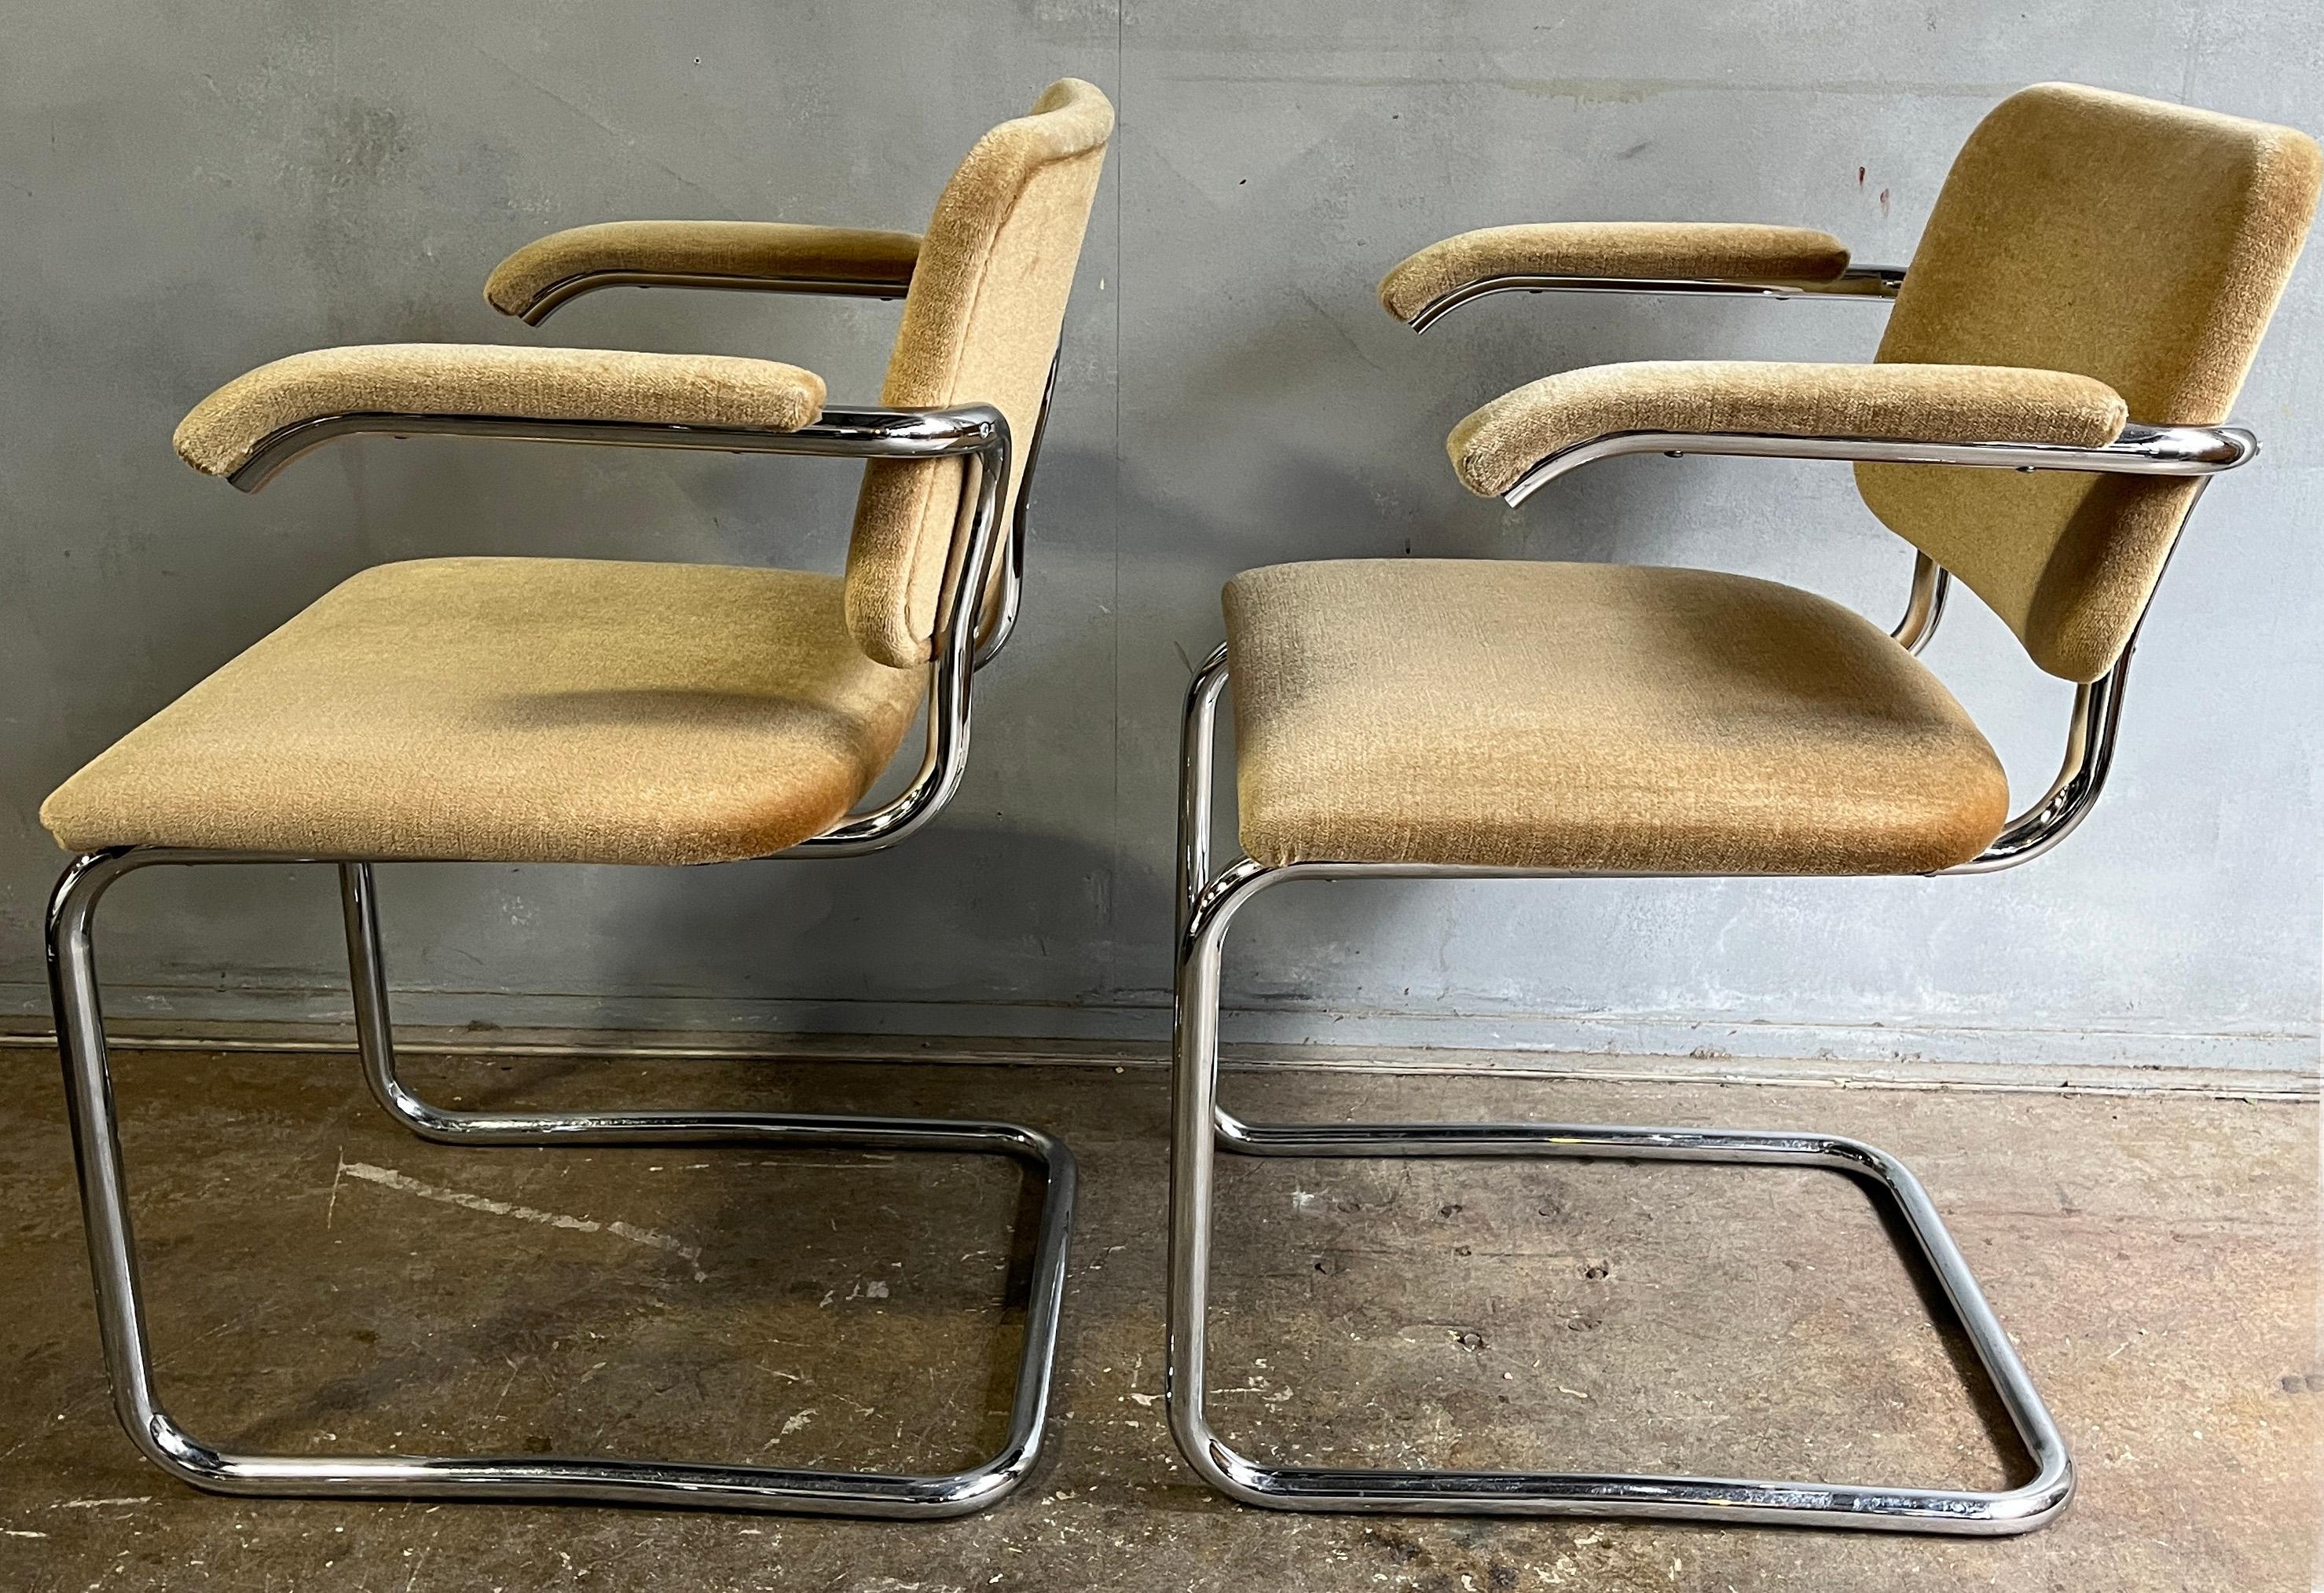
[
  {"x": 2049, "y": 399},
  {"x": 551, "y": 710}
]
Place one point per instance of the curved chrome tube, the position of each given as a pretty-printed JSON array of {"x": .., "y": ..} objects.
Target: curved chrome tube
[
  {"x": 2090, "y": 733},
  {"x": 1875, "y": 283},
  {"x": 559, "y": 294},
  {"x": 536, "y": 1479},
  {"x": 1931, "y": 584},
  {"x": 1000, "y": 622},
  {"x": 1198, "y": 749},
  {"x": 2140, "y": 450},
  {"x": 944, "y": 758},
  {"x": 2088, "y": 757}
]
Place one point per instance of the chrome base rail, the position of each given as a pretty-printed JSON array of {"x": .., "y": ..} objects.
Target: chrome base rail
[
  {"x": 536, "y": 1479},
  {"x": 1200, "y": 1129}
]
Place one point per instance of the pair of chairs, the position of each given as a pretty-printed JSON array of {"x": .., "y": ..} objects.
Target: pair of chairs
[{"x": 2048, "y": 402}]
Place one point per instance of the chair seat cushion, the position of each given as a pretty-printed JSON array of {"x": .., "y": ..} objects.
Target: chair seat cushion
[
  {"x": 1597, "y": 718},
  {"x": 516, "y": 710}
]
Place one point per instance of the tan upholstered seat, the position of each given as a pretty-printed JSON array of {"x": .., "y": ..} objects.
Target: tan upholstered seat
[
  {"x": 516, "y": 710},
  {"x": 1591, "y": 717}
]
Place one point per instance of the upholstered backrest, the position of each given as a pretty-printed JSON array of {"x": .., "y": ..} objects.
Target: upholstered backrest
[
  {"x": 981, "y": 323},
  {"x": 2142, "y": 243}
]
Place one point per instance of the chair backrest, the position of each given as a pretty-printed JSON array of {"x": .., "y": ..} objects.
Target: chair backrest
[
  {"x": 2143, "y": 244},
  {"x": 981, "y": 324}
]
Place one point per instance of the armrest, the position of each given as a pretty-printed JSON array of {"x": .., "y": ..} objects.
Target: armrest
[
  {"x": 770, "y": 256},
  {"x": 1496, "y": 449},
  {"x": 247, "y": 420},
  {"x": 1625, "y": 256}
]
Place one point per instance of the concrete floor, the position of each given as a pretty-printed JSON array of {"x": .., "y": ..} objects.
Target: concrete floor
[{"x": 2157, "y": 1258}]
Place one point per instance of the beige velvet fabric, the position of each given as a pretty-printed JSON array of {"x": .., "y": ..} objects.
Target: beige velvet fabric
[
  {"x": 1496, "y": 445},
  {"x": 2142, "y": 243},
  {"x": 746, "y": 251},
  {"x": 1695, "y": 250},
  {"x": 220, "y": 433},
  {"x": 1591, "y": 717},
  {"x": 980, "y": 325},
  {"x": 516, "y": 710}
]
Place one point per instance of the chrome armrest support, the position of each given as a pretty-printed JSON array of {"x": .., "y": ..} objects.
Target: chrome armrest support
[
  {"x": 944, "y": 755},
  {"x": 1872, "y": 283},
  {"x": 2140, "y": 450},
  {"x": 976, "y": 434},
  {"x": 876, "y": 434},
  {"x": 2195, "y": 453},
  {"x": 557, "y": 295},
  {"x": 2091, "y": 732},
  {"x": 1930, "y": 582},
  {"x": 1000, "y": 622}
]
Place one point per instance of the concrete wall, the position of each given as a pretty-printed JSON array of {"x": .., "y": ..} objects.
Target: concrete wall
[{"x": 191, "y": 188}]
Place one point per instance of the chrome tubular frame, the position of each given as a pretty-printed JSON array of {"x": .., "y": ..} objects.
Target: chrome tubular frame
[
  {"x": 2192, "y": 453},
  {"x": 1931, "y": 582},
  {"x": 2092, "y": 726},
  {"x": 1200, "y": 1127},
  {"x": 1207, "y": 903},
  {"x": 535, "y": 1479},
  {"x": 978, "y": 436},
  {"x": 1001, "y": 616},
  {"x": 1874, "y": 284}
]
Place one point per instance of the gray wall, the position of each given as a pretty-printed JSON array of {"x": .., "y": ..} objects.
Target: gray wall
[{"x": 192, "y": 189}]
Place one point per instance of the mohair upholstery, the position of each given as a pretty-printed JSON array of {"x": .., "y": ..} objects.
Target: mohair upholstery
[
  {"x": 1693, "y": 251},
  {"x": 2142, "y": 243},
  {"x": 980, "y": 325},
  {"x": 746, "y": 251},
  {"x": 219, "y": 434},
  {"x": 1590, "y": 717},
  {"x": 516, "y": 710},
  {"x": 1496, "y": 445}
]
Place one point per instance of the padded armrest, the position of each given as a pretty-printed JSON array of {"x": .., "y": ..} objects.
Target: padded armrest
[
  {"x": 1499, "y": 444},
  {"x": 1639, "y": 251},
  {"x": 742, "y": 253},
  {"x": 221, "y": 433}
]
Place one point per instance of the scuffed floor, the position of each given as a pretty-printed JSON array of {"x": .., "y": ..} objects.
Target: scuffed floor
[{"x": 321, "y": 1279}]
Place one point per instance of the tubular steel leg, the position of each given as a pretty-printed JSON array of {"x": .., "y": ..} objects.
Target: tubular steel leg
[
  {"x": 1200, "y": 1129},
  {"x": 536, "y": 1479}
]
